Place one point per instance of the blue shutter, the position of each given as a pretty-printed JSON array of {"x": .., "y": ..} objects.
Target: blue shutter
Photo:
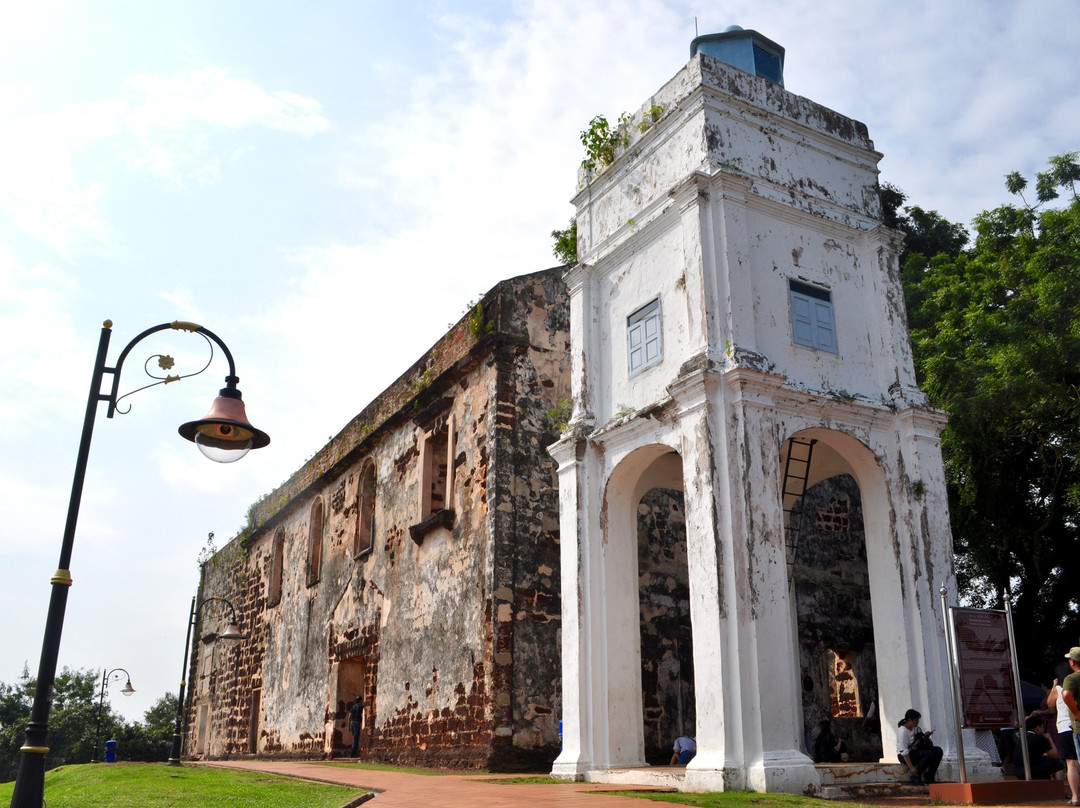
[
  {"x": 812, "y": 321},
  {"x": 643, "y": 337}
]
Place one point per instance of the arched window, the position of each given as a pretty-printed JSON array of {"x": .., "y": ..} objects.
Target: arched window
[
  {"x": 365, "y": 528},
  {"x": 277, "y": 568},
  {"x": 315, "y": 542}
]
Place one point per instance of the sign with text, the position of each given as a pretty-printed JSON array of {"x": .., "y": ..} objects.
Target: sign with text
[{"x": 987, "y": 690}]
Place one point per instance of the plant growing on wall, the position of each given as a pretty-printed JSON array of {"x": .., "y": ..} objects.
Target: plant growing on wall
[
  {"x": 558, "y": 416},
  {"x": 655, "y": 113},
  {"x": 565, "y": 248},
  {"x": 601, "y": 141}
]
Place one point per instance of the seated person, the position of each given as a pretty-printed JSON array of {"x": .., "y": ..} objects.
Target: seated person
[
  {"x": 1046, "y": 762},
  {"x": 915, "y": 749},
  {"x": 684, "y": 750},
  {"x": 827, "y": 747}
]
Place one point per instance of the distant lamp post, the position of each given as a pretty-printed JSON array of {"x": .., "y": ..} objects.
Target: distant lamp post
[
  {"x": 223, "y": 435},
  {"x": 232, "y": 632},
  {"x": 127, "y": 690}
]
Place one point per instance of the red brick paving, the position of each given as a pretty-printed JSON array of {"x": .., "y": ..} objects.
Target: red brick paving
[
  {"x": 446, "y": 791},
  {"x": 471, "y": 790}
]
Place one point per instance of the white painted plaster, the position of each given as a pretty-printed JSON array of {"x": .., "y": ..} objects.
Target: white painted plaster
[{"x": 740, "y": 187}]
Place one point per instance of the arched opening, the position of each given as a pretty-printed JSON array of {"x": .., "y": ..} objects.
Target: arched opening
[
  {"x": 277, "y": 569},
  {"x": 667, "y": 651},
  {"x": 365, "y": 528},
  {"x": 827, "y": 552},
  {"x": 647, "y": 634},
  {"x": 315, "y": 542}
]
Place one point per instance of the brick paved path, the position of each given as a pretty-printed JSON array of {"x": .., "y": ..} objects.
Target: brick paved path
[
  {"x": 445, "y": 791},
  {"x": 400, "y": 790}
]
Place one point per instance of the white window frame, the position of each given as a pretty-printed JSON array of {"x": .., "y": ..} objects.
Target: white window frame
[
  {"x": 644, "y": 338},
  {"x": 813, "y": 324}
]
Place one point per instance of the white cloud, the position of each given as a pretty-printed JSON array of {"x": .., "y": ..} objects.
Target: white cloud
[{"x": 164, "y": 125}]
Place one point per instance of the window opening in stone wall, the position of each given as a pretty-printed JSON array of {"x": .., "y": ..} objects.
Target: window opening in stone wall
[
  {"x": 844, "y": 687},
  {"x": 315, "y": 542},
  {"x": 277, "y": 569},
  {"x": 837, "y": 517},
  {"x": 365, "y": 515},
  {"x": 643, "y": 341},
  {"x": 436, "y": 466},
  {"x": 436, "y": 484},
  {"x": 812, "y": 322}
]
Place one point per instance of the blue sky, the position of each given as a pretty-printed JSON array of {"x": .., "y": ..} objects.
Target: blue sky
[{"x": 327, "y": 185}]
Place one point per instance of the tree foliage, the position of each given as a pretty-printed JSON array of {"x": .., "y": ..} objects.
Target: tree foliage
[
  {"x": 565, "y": 248},
  {"x": 996, "y": 336},
  {"x": 73, "y": 723}
]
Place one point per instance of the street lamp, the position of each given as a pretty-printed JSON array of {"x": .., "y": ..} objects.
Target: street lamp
[
  {"x": 224, "y": 434},
  {"x": 127, "y": 690},
  {"x": 230, "y": 633}
]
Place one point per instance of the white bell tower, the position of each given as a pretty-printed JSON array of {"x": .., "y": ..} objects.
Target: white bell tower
[{"x": 737, "y": 295}]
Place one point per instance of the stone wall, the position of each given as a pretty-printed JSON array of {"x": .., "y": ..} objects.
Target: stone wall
[
  {"x": 838, "y": 664},
  {"x": 449, "y": 623}
]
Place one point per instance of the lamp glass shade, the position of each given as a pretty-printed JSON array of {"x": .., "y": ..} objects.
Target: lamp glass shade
[
  {"x": 224, "y": 434},
  {"x": 128, "y": 689},
  {"x": 231, "y": 633},
  {"x": 221, "y": 449}
]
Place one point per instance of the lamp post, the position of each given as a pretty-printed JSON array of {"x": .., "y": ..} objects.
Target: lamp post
[
  {"x": 127, "y": 690},
  {"x": 223, "y": 435},
  {"x": 230, "y": 633}
]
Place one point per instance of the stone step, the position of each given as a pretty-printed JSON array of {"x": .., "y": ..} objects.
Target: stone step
[
  {"x": 844, "y": 773},
  {"x": 866, "y": 790},
  {"x": 665, "y": 778}
]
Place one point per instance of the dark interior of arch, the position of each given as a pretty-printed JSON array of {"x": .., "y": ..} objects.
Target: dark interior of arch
[
  {"x": 667, "y": 654},
  {"x": 835, "y": 630}
]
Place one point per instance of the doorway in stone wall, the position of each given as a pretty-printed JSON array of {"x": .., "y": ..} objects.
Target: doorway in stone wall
[
  {"x": 351, "y": 683},
  {"x": 253, "y": 721},
  {"x": 667, "y": 658},
  {"x": 838, "y": 668}
]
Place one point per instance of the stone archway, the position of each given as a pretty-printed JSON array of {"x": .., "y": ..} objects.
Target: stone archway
[
  {"x": 845, "y": 593},
  {"x": 830, "y": 578},
  {"x": 667, "y": 649},
  {"x": 648, "y": 469}
]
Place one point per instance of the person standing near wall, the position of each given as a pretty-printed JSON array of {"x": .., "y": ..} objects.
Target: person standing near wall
[
  {"x": 1070, "y": 694},
  {"x": 356, "y": 723}
]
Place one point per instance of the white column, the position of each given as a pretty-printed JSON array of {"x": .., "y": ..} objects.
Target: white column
[{"x": 577, "y": 728}]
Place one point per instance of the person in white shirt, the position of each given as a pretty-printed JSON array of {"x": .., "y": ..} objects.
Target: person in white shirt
[
  {"x": 1065, "y": 741},
  {"x": 913, "y": 749}
]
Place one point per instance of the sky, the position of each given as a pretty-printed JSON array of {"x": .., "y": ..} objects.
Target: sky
[{"x": 327, "y": 186}]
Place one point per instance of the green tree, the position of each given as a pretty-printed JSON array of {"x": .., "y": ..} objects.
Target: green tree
[
  {"x": 565, "y": 248},
  {"x": 996, "y": 336},
  {"x": 72, "y": 719},
  {"x": 150, "y": 741}
]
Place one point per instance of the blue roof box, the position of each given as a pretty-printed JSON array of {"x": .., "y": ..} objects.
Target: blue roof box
[{"x": 746, "y": 50}]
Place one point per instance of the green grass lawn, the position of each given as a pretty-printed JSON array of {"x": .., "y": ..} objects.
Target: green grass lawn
[{"x": 158, "y": 785}]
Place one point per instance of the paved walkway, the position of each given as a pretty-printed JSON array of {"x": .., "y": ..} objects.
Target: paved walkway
[
  {"x": 445, "y": 791},
  {"x": 476, "y": 789}
]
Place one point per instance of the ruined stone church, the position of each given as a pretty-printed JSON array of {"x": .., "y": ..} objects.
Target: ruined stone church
[{"x": 687, "y": 485}]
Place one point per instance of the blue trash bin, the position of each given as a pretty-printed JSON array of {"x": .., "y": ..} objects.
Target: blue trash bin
[{"x": 110, "y": 751}]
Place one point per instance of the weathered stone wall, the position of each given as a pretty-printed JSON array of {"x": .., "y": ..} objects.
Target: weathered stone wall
[
  {"x": 450, "y": 622},
  {"x": 838, "y": 665},
  {"x": 667, "y": 651}
]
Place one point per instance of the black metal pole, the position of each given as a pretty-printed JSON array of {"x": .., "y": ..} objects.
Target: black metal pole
[
  {"x": 100, "y": 709},
  {"x": 178, "y": 733},
  {"x": 30, "y": 779}
]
